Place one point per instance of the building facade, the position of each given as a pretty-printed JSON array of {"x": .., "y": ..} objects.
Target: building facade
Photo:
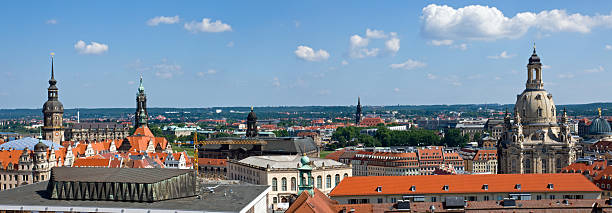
[
  {"x": 53, "y": 112},
  {"x": 282, "y": 173},
  {"x": 535, "y": 142},
  {"x": 483, "y": 162},
  {"x": 97, "y": 131}
]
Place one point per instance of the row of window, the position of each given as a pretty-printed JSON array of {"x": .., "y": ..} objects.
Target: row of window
[
  {"x": 319, "y": 183},
  {"x": 468, "y": 198}
]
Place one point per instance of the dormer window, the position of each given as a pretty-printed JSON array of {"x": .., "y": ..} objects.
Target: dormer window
[
  {"x": 445, "y": 188},
  {"x": 517, "y": 186},
  {"x": 550, "y": 186},
  {"x": 413, "y": 188},
  {"x": 540, "y": 112},
  {"x": 379, "y": 189},
  {"x": 485, "y": 186}
]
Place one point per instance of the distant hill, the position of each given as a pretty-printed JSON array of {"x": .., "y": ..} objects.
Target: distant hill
[{"x": 301, "y": 111}]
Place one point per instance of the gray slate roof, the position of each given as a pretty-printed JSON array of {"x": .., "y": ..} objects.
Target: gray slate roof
[
  {"x": 276, "y": 145},
  {"x": 120, "y": 175},
  {"x": 104, "y": 125},
  {"x": 227, "y": 198}
]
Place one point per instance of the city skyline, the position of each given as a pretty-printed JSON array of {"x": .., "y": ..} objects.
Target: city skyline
[{"x": 415, "y": 53}]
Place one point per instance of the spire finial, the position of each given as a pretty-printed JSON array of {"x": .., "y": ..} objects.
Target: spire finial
[
  {"x": 599, "y": 110},
  {"x": 52, "y": 72},
  {"x": 140, "y": 87},
  {"x": 534, "y": 48},
  {"x": 251, "y": 108}
]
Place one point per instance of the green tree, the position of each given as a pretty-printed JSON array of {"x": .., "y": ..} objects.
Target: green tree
[
  {"x": 281, "y": 133},
  {"x": 453, "y": 137}
]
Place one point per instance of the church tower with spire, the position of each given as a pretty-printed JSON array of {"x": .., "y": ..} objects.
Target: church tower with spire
[
  {"x": 53, "y": 112},
  {"x": 251, "y": 131},
  {"x": 358, "y": 113},
  {"x": 141, "y": 117}
]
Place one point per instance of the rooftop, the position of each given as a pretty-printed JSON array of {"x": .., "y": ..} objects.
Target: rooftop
[
  {"x": 119, "y": 175},
  {"x": 433, "y": 184},
  {"x": 29, "y": 143},
  {"x": 285, "y": 161},
  {"x": 228, "y": 198}
]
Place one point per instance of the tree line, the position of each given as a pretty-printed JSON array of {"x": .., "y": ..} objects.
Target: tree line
[{"x": 351, "y": 136}]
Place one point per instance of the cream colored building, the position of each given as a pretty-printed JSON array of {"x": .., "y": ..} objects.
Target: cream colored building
[
  {"x": 281, "y": 172},
  {"x": 483, "y": 162},
  {"x": 535, "y": 142}
]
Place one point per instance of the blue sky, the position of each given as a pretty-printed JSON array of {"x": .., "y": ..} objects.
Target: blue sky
[{"x": 270, "y": 53}]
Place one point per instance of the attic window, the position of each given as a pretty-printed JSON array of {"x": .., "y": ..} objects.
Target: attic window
[
  {"x": 485, "y": 186},
  {"x": 445, "y": 188},
  {"x": 379, "y": 189},
  {"x": 413, "y": 188},
  {"x": 550, "y": 186},
  {"x": 517, "y": 186}
]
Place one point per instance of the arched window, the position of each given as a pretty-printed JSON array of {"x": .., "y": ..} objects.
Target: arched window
[
  {"x": 274, "y": 184},
  {"x": 310, "y": 181},
  {"x": 284, "y": 184},
  {"x": 328, "y": 181},
  {"x": 293, "y": 184},
  {"x": 337, "y": 179},
  {"x": 345, "y": 175},
  {"x": 540, "y": 112},
  {"x": 319, "y": 182}
]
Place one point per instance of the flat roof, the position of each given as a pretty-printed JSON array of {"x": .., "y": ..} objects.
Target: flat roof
[
  {"x": 226, "y": 198},
  {"x": 119, "y": 175}
]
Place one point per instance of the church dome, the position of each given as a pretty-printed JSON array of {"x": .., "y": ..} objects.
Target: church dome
[
  {"x": 40, "y": 147},
  {"x": 53, "y": 106},
  {"x": 536, "y": 107},
  {"x": 599, "y": 126}
]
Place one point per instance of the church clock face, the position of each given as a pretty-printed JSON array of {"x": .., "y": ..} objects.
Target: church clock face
[{"x": 56, "y": 133}]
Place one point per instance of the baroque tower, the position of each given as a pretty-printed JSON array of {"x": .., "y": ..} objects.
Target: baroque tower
[
  {"x": 141, "y": 117},
  {"x": 251, "y": 124},
  {"x": 535, "y": 142},
  {"x": 53, "y": 112},
  {"x": 358, "y": 113}
]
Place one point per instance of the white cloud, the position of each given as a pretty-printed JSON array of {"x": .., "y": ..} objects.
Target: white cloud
[
  {"x": 566, "y": 75},
  {"x": 445, "y": 42},
  {"x": 276, "y": 82},
  {"x": 358, "y": 41},
  {"x": 477, "y": 22},
  {"x": 462, "y": 46},
  {"x": 608, "y": 47},
  {"x": 359, "y": 45},
  {"x": 393, "y": 44},
  {"x": 165, "y": 70},
  {"x": 230, "y": 44},
  {"x": 502, "y": 55},
  {"x": 206, "y": 26},
  {"x": 344, "y": 62},
  {"x": 431, "y": 76},
  {"x": 376, "y": 34},
  {"x": 91, "y": 48},
  {"x": 396, "y": 90},
  {"x": 308, "y": 54},
  {"x": 546, "y": 67},
  {"x": 51, "y": 21},
  {"x": 163, "y": 20},
  {"x": 408, "y": 65},
  {"x": 497, "y": 78},
  {"x": 297, "y": 24},
  {"x": 594, "y": 70},
  {"x": 208, "y": 72},
  {"x": 131, "y": 82}
]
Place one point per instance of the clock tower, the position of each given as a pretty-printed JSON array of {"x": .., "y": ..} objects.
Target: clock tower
[{"x": 53, "y": 112}]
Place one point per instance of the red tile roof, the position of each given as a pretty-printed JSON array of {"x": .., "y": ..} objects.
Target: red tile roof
[
  {"x": 10, "y": 157},
  {"x": 91, "y": 162},
  {"x": 212, "y": 162},
  {"x": 432, "y": 184}
]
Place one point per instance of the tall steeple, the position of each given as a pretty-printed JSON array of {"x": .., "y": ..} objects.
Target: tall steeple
[
  {"x": 53, "y": 111},
  {"x": 358, "y": 113},
  {"x": 251, "y": 124},
  {"x": 141, "y": 117}
]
